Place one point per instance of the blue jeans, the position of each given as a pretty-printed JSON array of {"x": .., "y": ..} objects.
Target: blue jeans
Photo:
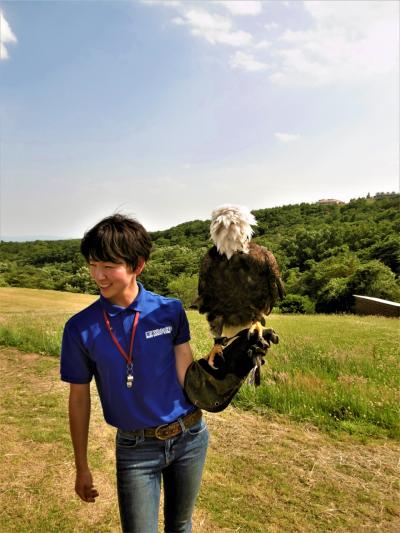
[{"x": 141, "y": 462}]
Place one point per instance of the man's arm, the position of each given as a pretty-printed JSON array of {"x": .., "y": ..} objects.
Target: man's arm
[
  {"x": 79, "y": 416},
  {"x": 183, "y": 359}
]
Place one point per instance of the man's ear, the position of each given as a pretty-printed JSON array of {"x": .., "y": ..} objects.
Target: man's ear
[{"x": 140, "y": 266}]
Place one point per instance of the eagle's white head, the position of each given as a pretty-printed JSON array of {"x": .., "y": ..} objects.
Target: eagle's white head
[{"x": 231, "y": 229}]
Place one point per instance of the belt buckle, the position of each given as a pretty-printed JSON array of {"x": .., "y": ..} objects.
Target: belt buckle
[{"x": 158, "y": 428}]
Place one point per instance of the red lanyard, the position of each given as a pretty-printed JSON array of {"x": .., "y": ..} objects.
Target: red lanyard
[{"x": 127, "y": 357}]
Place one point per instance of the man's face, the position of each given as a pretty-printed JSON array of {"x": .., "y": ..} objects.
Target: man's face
[{"x": 116, "y": 281}]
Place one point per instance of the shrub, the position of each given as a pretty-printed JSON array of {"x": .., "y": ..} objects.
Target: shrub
[
  {"x": 295, "y": 303},
  {"x": 185, "y": 288}
]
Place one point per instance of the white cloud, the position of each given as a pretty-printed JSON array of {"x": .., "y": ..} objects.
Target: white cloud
[
  {"x": 166, "y": 3},
  {"x": 350, "y": 41},
  {"x": 345, "y": 42},
  {"x": 203, "y": 20},
  {"x": 263, "y": 44},
  {"x": 287, "y": 137},
  {"x": 178, "y": 21},
  {"x": 271, "y": 26},
  {"x": 351, "y": 13},
  {"x": 212, "y": 27},
  {"x": 241, "y": 60},
  {"x": 238, "y": 7},
  {"x": 236, "y": 38},
  {"x": 6, "y": 36}
]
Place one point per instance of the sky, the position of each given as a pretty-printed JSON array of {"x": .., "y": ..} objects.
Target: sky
[{"x": 164, "y": 110}]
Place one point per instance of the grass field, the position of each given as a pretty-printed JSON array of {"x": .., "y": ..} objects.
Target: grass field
[
  {"x": 315, "y": 448},
  {"x": 33, "y": 319},
  {"x": 336, "y": 372}
]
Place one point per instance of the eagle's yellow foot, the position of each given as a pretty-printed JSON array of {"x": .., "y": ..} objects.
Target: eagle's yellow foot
[
  {"x": 216, "y": 350},
  {"x": 257, "y": 326}
]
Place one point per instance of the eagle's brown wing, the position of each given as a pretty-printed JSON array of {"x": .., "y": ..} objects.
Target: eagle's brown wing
[{"x": 240, "y": 290}]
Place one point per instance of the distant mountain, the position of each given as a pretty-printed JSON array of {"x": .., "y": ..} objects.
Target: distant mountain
[
  {"x": 30, "y": 238},
  {"x": 327, "y": 251}
]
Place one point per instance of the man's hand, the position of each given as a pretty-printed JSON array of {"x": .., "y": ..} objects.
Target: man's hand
[{"x": 84, "y": 486}]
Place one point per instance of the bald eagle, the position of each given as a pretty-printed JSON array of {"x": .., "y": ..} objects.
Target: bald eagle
[{"x": 239, "y": 280}]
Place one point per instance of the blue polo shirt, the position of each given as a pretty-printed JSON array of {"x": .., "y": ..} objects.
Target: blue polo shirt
[{"x": 88, "y": 350}]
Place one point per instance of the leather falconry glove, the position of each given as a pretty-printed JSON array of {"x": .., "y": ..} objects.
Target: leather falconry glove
[{"x": 213, "y": 389}]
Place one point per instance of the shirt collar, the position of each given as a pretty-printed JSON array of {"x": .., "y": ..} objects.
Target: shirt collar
[{"x": 136, "y": 305}]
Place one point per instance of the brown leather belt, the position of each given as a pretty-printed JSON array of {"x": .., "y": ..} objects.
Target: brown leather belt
[{"x": 167, "y": 431}]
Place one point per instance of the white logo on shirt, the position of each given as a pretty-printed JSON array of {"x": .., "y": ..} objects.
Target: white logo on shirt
[{"x": 157, "y": 332}]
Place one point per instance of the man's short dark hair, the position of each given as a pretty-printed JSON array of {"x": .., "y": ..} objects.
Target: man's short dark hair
[{"x": 117, "y": 239}]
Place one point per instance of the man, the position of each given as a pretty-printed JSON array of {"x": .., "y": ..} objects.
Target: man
[{"x": 136, "y": 345}]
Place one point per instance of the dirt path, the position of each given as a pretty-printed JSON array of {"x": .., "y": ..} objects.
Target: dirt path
[{"x": 261, "y": 475}]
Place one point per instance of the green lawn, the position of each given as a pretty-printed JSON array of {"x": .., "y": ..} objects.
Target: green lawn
[
  {"x": 315, "y": 448},
  {"x": 338, "y": 372}
]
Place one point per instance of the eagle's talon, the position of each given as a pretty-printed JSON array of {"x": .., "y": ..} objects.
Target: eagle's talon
[
  {"x": 256, "y": 327},
  {"x": 216, "y": 350}
]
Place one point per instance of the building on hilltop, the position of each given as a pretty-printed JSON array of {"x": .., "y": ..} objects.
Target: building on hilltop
[
  {"x": 331, "y": 201},
  {"x": 367, "y": 305}
]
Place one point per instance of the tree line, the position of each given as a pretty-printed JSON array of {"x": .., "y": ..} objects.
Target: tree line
[{"x": 326, "y": 252}]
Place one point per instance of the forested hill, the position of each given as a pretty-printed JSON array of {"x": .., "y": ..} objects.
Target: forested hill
[{"x": 327, "y": 252}]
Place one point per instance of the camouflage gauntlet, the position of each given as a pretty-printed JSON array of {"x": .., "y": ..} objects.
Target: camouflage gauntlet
[{"x": 213, "y": 389}]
